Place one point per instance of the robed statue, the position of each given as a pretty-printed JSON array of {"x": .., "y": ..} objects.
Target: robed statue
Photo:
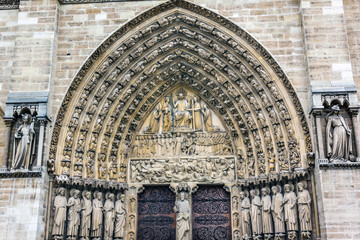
[
  {"x": 120, "y": 216},
  {"x": 59, "y": 214},
  {"x": 290, "y": 208},
  {"x": 256, "y": 219},
  {"x": 24, "y": 144},
  {"x": 338, "y": 136},
  {"x": 86, "y": 209},
  {"x": 266, "y": 211},
  {"x": 182, "y": 115},
  {"x": 97, "y": 216},
  {"x": 304, "y": 201},
  {"x": 74, "y": 206},
  {"x": 182, "y": 210},
  {"x": 109, "y": 216},
  {"x": 277, "y": 209},
  {"x": 245, "y": 215}
]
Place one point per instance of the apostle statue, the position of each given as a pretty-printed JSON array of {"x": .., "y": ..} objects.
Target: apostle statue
[
  {"x": 197, "y": 114},
  {"x": 74, "y": 205},
  {"x": 290, "y": 210},
  {"x": 86, "y": 209},
  {"x": 304, "y": 201},
  {"x": 245, "y": 215},
  {"x": 256, "y": 205},
  {"x": 24, "y": 144},
  {"x": 182, "y": 115},
  {"x": 338, "y": 136},
  {"x": 59, "y": 214},
  {"x": 266, "y": 211},
  {"x": 278, "y": 209},
  {"x": 155, "y": 120},
  {"x": 109, "y": 216},
  {"x": 97, "y": 216},
  {"x": 166, "y": 111},
  {"x": 207, "y": 119},
  {"x": 182, "y": 210},
  {"x": 120, "y": 216}
]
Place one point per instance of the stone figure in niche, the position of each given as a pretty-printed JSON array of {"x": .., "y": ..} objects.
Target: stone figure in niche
[
  {"x": 256, "y": 205},
  {"x": 86, "y": 209},
  {"x": 166, "y": 111},
  {"x": 266, "y": 211},
  {"x": 338, "y": 136},
  {"x": 235, "y": 203},
  {"x": 236, "y": 221},
  {"x": 24, "y": 144},
  {"x": 120, "y": 216},
  {"x": 97, "y": 216},
  {"x": 74, "y": 205},
  {"x": 182, "y": 115},
  {"x": 132, "y": 204},
  {"x": 59, "y": 214},
  {"x": 245, "y": 215},
  {"x": 304, "y": 201},
  {"x": 277, "y": 209},
  {"x": 182, "y": 210},
  {"x": 290, "y": 210},
  {"x": 197, "y": 114},
  {"x": 109, "y": 216},
  {"x": 132, "y": 222}
]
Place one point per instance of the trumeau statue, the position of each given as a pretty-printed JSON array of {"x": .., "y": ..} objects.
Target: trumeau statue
[
  {"x": 182, "y": 210},
  {"x": 120, "y": 217},
  {"x": 109, "y": 216},
  {"x": 97, "y": 216},
  {"x": 278, "y": 209},
  {"x": 245, "y": 215},
  {"x": 59, "y": 214},
  {"x": 266, "y": 211},
  {"x": 338, "y": 136},
  {"x": 256, "y": 205},
  {"x": 304, "y": 201},
  {"x": 74, "y": 205},
  {"x": 24, "y": 144},
  {"x": 290, "y": 210},
  {"x": 86, "y": 209}
]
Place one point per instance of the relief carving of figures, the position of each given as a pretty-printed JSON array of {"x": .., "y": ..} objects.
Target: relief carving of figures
[
  {"x": 208, "y": 125},
  {"x": 166, "y": 110},
  {"x": 109, "y": 216},
  {"x": 277, "y": 209},
  {"x": 74, "y": 205},
  {"x": 245, "y": 215},
  {"x": 120, "y": 217},
  {"x": 24, "y": 144},
  {"x": 86, "y": 209},
  {"x": 97, "y": 216},
  {"x": 266, "y": 211},
  {"x": 256, "y": 219},
  {"x": 338, "y": 136},
  {"x": 304, "y": 201},
  {"x": 182, "y": 210},
  {"x": 290, "y": 210},
  {"x": 182, "y": 115},
  {"x": 59, "y": 214}
]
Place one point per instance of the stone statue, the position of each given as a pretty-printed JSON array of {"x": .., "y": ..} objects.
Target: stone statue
[
  {"x": 256, "y": 212},
  {"x": 277, "y": 209},
  {"x": 24, "y": 144},
  {"x": 266, "y": 211},
  {"x": 245, "y": 215},
  {"x": 207, "y": 119},
  {"x": 235, "y": 201},
  {"x": 59, "y": 214},
  {"x": 154, "y": 125},
  {"x": 132, "y": 204},
  {"x": 182, "y": 115},
  {"x": 109, "y": 216},
  {"x": 338, "y": 136},
  {"x": 97, "y": 216},
  {"x": 86, "y": 209},
  {"x": 120, "y": 216},
  {"x": 166, "y": 111},
  {"x": 74, "y": 205},
  {"x": 290, "y": 210},
  {"x": 182, "y": 210},
  {"x": 197, "y": 114},
  {"x": 304, "y": 201},
  {"x": 132, "y": 222}
]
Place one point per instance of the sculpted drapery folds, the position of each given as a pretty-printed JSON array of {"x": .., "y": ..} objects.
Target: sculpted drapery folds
[
  {"x": 304, "y": 201},
  {"x": 338, "y": 136},
  {"x": 97, "y": 216},
  {"x": 266, "y": 211},
  {"x": 86, "y": 209},
  {"x": 182, "y": 115},
  {"x": 245, "y": 215},
  {"x": 290, "y": 209},
  {"x": 74, "y": 208},
  {"x": 182, "y": 210},
  {"x": 59, "y": 214},
  {"x": 277, "y": 209},
  {"x": 197, "y": 114},
  {"x": 24, "y": 144},
  {"x": 256, "y": 218},
  {"x": 109, "y": 216},
  {"x": 120, "y": 216},
  {"x": 166, "y": 110}
]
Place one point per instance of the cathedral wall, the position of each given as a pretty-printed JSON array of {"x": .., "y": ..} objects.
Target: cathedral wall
[
  {"x": 338, "y": 192},
  {"x": 22, "y": 208}
]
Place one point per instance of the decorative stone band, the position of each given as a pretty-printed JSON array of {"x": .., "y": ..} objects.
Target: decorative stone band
[
  {"x": 325, "y": 164},
  {"x": 9, "y": 4},
  {"x": 35, "y": 173},
  {"x": 65, "y": 181}
]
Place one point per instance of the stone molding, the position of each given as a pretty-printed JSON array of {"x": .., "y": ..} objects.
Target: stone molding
[
  {"x": 93, "y": 1},
  {"x": 325, "y": 164},
  {"x": 9, "y": 4},
  {"x": 34, "y": 173}
]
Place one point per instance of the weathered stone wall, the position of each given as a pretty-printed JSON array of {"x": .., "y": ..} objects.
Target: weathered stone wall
[
  {"x": 22, "y": 208},
  {"x": 338, "y": 193}
]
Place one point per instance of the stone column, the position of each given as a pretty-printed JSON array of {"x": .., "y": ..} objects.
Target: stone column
[
  {"x": 41, "y": 143},
  {"x": 5, "y": 164},
  {"x": 235, "y": 213},
  {"x": 132, "y": 197},
  {"x": 354, "y": 113},
  {"x": 320, "y": 141}
]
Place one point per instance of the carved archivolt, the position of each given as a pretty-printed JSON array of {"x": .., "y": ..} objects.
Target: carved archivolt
[{"x": 178, "y": 44}]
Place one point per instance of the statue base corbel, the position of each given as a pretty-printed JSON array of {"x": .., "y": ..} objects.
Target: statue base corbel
[
  {"x": 280, "y": 236},
  {"x": 292, "y": 235},
  {"x": 305, "y": 235}
]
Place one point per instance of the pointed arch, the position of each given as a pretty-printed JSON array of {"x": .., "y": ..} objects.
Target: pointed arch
[{"x": 179, "y": 42}]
